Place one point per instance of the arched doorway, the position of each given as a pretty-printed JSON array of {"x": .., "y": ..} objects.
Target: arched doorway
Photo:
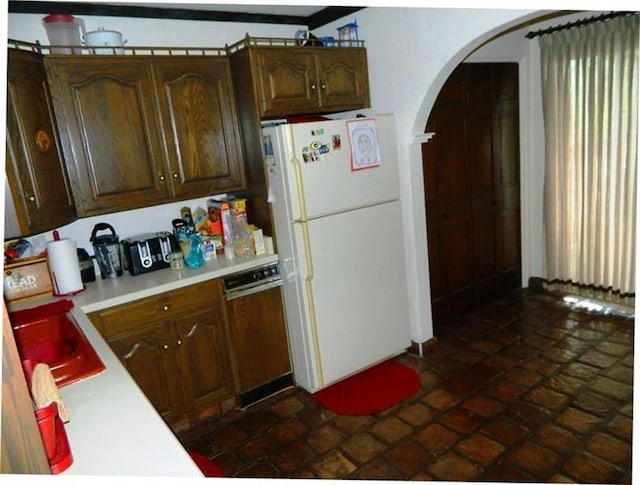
[{"x": 472, "y": 190}]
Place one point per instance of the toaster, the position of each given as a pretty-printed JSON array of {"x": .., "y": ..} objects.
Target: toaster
[{"x": 148, "y": 252}]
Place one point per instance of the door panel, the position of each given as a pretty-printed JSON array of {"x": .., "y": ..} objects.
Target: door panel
[{"x": 471, "y": 180}]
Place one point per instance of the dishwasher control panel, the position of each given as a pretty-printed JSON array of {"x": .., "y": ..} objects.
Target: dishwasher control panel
[{"x": 262, "y": 275}]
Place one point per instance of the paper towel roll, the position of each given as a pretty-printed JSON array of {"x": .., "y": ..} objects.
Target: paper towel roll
[{"x": 64, "y": 267}]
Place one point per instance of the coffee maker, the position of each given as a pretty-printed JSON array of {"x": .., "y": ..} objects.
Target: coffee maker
[{"x": 107, "y": 250}]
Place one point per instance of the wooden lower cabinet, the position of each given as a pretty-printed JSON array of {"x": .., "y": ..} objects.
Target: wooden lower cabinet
[{"x": 175, "y": 346}]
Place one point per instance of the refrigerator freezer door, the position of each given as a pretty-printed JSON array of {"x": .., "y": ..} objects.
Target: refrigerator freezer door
[
  {"x": 321, "y": 165},
  {"x": 357, "y": 289}
]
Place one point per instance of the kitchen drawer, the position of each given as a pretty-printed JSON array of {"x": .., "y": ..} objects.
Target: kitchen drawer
[{"x": 164, "y": 306}]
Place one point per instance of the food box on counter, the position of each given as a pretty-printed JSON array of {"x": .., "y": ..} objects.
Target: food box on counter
[{"x": 27, "y": 277}]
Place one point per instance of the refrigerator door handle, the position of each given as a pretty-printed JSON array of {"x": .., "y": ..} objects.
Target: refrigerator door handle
[
  {"x": 308, "y": 280},
  {"x": 297, "y": 173}
]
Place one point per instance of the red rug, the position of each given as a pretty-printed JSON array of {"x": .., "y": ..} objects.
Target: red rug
[
  {"x": 207, "y": 468},
  {"x": 370, "y": 391}
]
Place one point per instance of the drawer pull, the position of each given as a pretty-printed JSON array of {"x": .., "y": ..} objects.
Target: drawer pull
[
  {"x": 179, "y": 342},
  {"x": 165, "y": 347},
  {"x": 165, "y": 308}
]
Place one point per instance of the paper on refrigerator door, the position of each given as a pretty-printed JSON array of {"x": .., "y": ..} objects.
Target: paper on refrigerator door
[{"x": 272, "y": 175}]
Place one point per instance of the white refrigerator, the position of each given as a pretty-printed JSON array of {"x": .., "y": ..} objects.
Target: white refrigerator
[{"x": 334, "y": 190}]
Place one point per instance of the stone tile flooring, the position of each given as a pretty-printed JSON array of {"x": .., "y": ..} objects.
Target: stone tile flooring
[{"x": 523, "y": 390}]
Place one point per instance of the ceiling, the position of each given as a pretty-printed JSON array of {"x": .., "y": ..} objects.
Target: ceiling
[{"x": 313, "y": 16}]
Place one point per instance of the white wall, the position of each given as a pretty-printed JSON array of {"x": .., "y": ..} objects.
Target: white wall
[{"x": 411, "y": 53}]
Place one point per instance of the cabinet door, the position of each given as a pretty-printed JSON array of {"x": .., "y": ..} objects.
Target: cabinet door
[
  {"x": 286, "y": 81},
  {"x": 109, "y": 131},
  {"x": 35, "y": 170},
  {"x": 343, "y": 79},
  {"x": 200, "y": 125},
  {"x": 203, "y": 360},
  {"x": 149, "y": 356},
  {"x": 259, "y": 338}
]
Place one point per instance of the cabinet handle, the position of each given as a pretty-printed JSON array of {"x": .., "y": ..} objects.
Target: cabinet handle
[
  {"x": 165, "y": 347},
  {"x": 161, "y": 177},
  {"x": 175, "y": 175},
  {"x": 313, "y": 87},
  {"x": 179, "y": 342},
  {"x": 32, "y": 198},
  {"x": 165, "y": 308},
  {"x": 323, "y": 86}
]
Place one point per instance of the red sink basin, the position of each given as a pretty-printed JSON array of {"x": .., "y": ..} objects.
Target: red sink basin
[{"x": 56, "y": 340}]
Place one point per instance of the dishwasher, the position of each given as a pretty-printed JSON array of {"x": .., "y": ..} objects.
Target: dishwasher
[{"x": 258, "y": 332}]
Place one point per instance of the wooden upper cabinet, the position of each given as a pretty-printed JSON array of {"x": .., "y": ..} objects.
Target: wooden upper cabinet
[
  {"x": 307, "y": 80},
  {"x": 140, "y": 131},
  {"x": 200, "y": 126},
  {"x": 109, "y": 130},
  {"x": 36, "y": 175}
]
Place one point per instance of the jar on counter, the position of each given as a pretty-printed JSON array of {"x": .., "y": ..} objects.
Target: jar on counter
[{"x": 176, "y": 260}]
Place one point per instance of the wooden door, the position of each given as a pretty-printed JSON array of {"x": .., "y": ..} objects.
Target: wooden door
[
  {"x": 343, "y": 79},
  {"x": 203, "y": 359},
  {"x": 200, "y": 125},
  {"x": 149, "y": 355},
  {"x": 259, "y": 338},
  {"x": 471, "y": 179},
  {"x": 35, "y": 168},
  {"x": 110, "y": 132},
  {"x": 286, "y": 81}
]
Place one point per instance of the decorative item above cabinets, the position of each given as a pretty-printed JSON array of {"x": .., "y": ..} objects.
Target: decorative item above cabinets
[
  {"x": 37, "y": 197},
  {"x": 143, "y": 130},
  {"x": 288, "y": 78}
]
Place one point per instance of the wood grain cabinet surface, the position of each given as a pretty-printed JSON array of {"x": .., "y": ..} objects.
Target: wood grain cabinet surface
[
  {"x": 306, "y": 80},
  {"x": 36, "y": 175},
  {"x": 144, "y": 130},
  {"x": 175, "y": 346}
]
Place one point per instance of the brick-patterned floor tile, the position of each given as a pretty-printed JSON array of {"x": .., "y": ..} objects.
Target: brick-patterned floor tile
[
  {"x": 409, "y": 457},
  {"x": 483, "y": 406},
  {"x": 292, "y": 456},
  {"x": 523, "y": 377},
  {"x": 453, "y": 467},
  {"x": 462, "y": 421},
  {"x": 577, "y": 420},
  {"x": 585, "y": 468},
  {"x": 621, "y": 427},
  {"x": 523, "y": 390},
  {"x": 546, "y": 398},
  {"x": 378, "y": 469},
  {"x": 598, "y": 359},
  {"x": 557, "y": 439},
  {"x": 480, "y": 449},
  {"x": 288, "y": 407},
  {"x": 437, "y": 438},
  {"x": 287, "y": 431},
  {"x": 505, "y": 430},
  {"x": 535, "y": 459},
  {"x": 255, "y": 447},
  {"x": 610, "y": 449},
  {"x": 391, "y": 429},
  {"x": 262, "y": 469},
  {"x": 611, "y": 388},
  {"x": 417, "y": 414},
  {"x": 441, "y": 399},
  {"x": 362, "y": 447},
  {"x": 333, "y": 465},
  {"x": 325, "y": 438}
]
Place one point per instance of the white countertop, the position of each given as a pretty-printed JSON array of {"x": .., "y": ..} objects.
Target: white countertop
[{"x": 113, "y": 429}]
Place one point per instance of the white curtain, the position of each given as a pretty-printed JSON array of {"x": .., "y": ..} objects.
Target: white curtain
[{"x": 590, "y": 101}]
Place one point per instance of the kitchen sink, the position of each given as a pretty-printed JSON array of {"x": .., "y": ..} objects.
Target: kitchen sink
[{"x": 58, "y": 341}]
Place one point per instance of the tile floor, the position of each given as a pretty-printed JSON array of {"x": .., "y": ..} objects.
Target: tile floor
[{"x": 523, "y": 390}]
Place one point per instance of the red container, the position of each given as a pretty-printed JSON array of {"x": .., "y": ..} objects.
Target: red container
[{"x": 54, "y": 437}]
